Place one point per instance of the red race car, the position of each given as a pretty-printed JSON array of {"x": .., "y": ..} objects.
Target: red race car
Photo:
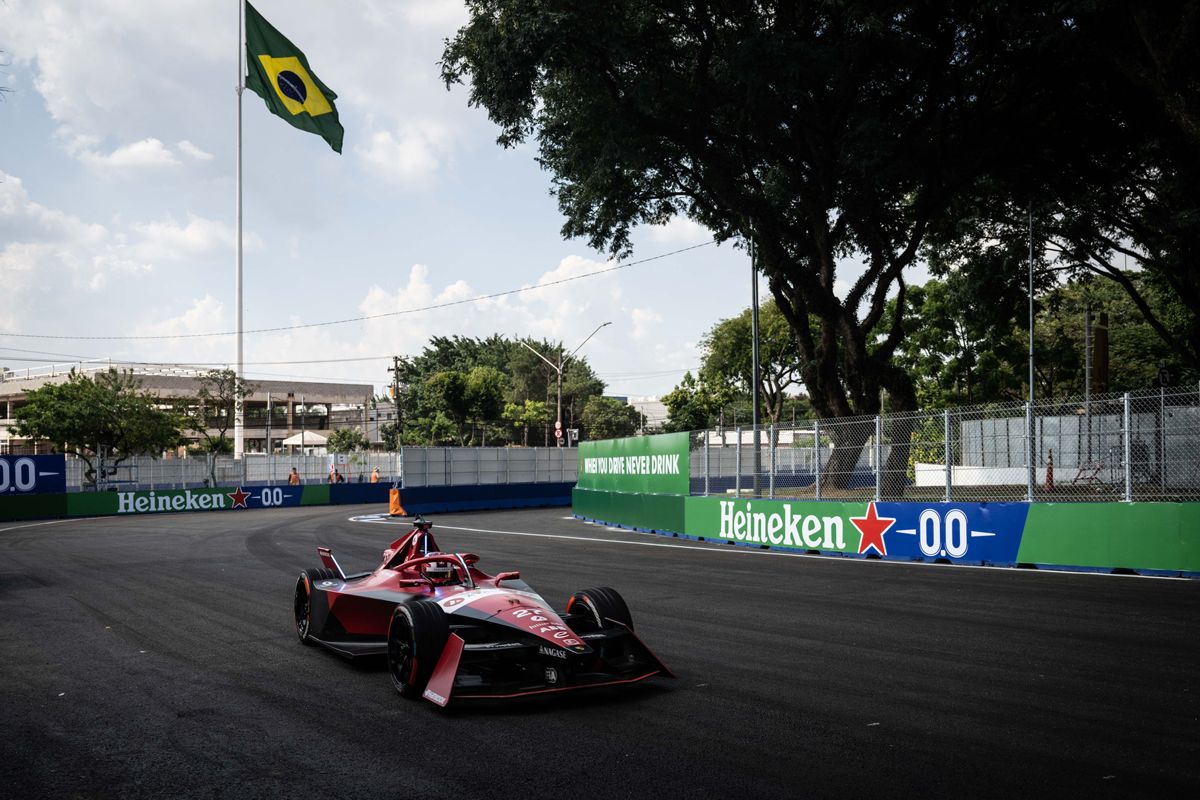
[{"x": 450, "y": 631}]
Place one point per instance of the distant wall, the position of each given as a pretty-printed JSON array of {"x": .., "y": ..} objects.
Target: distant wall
[{"x": 419, "y": 500}]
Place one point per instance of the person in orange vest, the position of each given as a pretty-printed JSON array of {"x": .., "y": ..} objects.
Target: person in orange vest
[{"x": 375, "y": 475}]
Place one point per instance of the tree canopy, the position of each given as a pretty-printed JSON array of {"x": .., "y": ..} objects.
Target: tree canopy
[
  {"x": 833, "y": 134},
  {"x": 218, "y": 394},
  {"x": 107, "y": 415},
  {"x": 821, "y": 132},
  {"x": 609, "y": 418},
  {"x": 1109, "y": 174},
  {"x": 728, "y": 347},
  {"x": 346, "y": 440},
  {"x": 463, "y": 390}
]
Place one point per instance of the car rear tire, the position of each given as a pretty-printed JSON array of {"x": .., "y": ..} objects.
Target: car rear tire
[
  {"x": 416, "y": 637},
  {"x": 302, "y": 607},
  {"x": 600, "y": 605}
]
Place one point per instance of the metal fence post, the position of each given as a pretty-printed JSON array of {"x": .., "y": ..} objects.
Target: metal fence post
[
  {"x": 706, "y": 463},
  {"x": 1128, "y": 449},
  {"x": 816, "y": 459},
  {"x": 771, "y": 477},
  {"x": 1029, "y": 468},
  {"x": 878, "y": 465},
  {"x": 737, "y": 463},
  {"x": 1162, "y": 438},
  {"x": 946, "y": 449}
]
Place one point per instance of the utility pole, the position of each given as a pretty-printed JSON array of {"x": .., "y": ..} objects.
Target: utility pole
[
  {"x": 754, "y": 365},
  {"x": 558, "y": 369},
  {"x": 396, "y": 395}
]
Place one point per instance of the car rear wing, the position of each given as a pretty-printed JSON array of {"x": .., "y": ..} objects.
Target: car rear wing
[{"x": 329, "y": 561}]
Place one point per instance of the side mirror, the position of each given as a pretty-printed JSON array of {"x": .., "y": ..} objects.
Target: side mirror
[{"x": 507, "y": 576}]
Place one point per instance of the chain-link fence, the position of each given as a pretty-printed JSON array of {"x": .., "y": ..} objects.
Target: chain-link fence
[
  {"x": 416, "y": 466},
  {"x": 1134, "y": 446}
]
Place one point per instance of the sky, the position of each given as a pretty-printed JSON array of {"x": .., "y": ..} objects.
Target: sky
[{"x": 117, "y": 206}]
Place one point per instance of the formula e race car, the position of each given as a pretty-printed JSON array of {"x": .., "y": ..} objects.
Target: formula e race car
[{"x": 450, "y": 631}]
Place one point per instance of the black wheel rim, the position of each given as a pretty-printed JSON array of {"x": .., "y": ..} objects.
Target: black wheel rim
[{"x": 400, "y": 652}]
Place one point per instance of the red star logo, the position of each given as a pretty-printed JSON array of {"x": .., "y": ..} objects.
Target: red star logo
[
  {"x": 872, "y": 528},
  {"x": 239, "y": 498}
]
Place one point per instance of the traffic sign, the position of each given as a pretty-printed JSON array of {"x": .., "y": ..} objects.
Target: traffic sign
[
  {"x": 558, "y": 434},
  {"x": 558, "y": 425}
]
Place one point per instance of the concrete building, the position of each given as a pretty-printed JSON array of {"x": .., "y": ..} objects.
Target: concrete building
[{"x": 295, "y": 405}]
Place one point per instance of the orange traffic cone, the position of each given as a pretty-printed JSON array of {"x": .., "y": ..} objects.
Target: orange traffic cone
[{"x": 394, "y": 507}]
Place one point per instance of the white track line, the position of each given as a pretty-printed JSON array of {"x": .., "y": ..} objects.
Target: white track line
[{"x": 47, "y": 522}]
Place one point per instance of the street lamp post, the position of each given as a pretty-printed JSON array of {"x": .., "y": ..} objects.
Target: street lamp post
[{"x": 558, "y": 369}]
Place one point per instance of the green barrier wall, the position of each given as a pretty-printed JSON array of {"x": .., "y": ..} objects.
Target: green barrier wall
[
  {"x": 1153, "y": 538},
  {"x": 650, "y": 512},
  {"x": 33, "y": 506},
  {"x": 317, "y": 495},
  {"x": 1137, "y": 536},
  {"x": 640, "y": 464}
]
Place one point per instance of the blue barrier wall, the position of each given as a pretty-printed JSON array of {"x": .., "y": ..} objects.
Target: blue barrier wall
[{"x": 434, "y": 499}]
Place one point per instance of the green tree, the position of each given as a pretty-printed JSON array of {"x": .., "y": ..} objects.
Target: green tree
[
  {"x": 346, "y": 440},
  {"x": 609, "y": 418},
  {"x": 107, "y": 414},
  {"x": 1109, "y": 176},
  {"x": 508, "y": 373},
  {"x": 485, "y": 390},
  {"x": 816, "y": 131},
  {"x": 389, "y": 434},
  {"x": 967, "y": 353},
  {"x": 448, "y": 392},
  {"x": 728, "y": 357},
  {"x": 219, "y": 393},
  {"x": 527, "y": 415},
  {"x": 694, "y": 404}
]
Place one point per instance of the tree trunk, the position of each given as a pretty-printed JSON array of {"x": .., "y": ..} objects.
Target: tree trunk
[{"x": 898, "y": 430}]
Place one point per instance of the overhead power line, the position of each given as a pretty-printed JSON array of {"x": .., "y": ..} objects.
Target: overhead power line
[{"x": 403, "y": 312}]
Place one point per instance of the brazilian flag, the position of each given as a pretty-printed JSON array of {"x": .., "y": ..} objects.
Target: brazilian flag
[{"x": 278, "y": 73}]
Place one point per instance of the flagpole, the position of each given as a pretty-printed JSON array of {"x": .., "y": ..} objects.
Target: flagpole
[{"x": 239, "y": 431}]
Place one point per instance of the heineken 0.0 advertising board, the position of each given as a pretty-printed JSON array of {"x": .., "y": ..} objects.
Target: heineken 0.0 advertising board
[
  {"x": 981, "y": 533},
  {"x": 168, "y": 500},
  {"x": 645, "y": 464}
]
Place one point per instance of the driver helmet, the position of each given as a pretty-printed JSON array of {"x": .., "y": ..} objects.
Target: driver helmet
[{"x": 438, "y": 571}]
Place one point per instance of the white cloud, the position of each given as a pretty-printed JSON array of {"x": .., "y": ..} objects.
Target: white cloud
[
  {"x": 168, "y": 240},
  {"x": 96, "y": 65},
  {"x": 443, "y": 14},
  {"x": 645, "y": 322},
  {"x": 46, "y": 249},
  {"x": 139, "y": 155},
  {"x": 193, "y": 152},
  {"x": 410, "y": 155},
  {"x": 679, "y": 232}
]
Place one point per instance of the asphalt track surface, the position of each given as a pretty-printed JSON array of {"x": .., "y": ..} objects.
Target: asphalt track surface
[{"x": 155, "y": 657}]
